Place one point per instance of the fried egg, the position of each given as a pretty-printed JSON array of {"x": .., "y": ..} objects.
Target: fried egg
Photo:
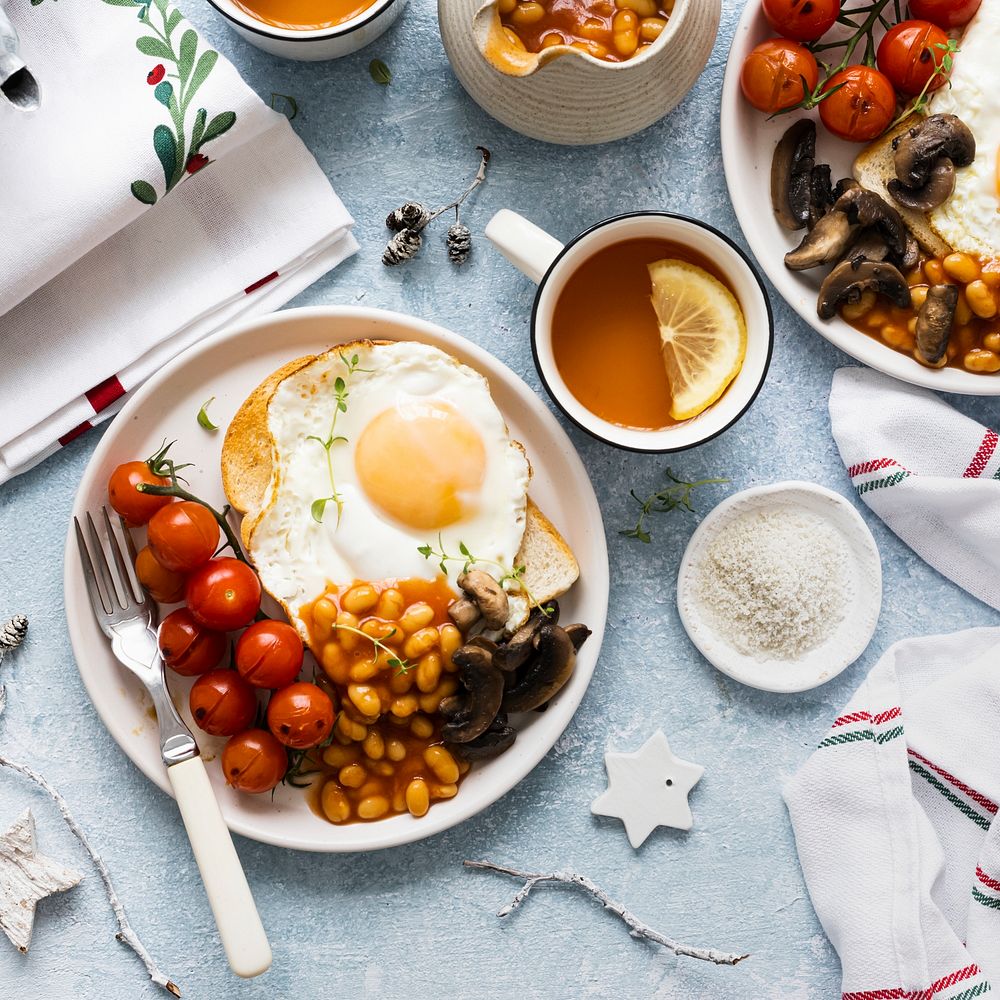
[
  {"x": 970, "y": 219},
  {"x": 380, "y": 449}
]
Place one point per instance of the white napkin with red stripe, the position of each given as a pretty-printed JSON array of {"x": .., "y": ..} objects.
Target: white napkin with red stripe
[
  {"x": 151, "y": 200},
  {"x": 895, "y": 818},
  {"x": 932, "y": 474}
]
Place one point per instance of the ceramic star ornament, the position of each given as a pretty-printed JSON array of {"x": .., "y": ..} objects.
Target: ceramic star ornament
[
  {"x": 26, "y": 877},
  {"x": 648, "y": 788}
]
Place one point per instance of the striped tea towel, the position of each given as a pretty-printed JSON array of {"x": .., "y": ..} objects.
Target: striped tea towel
[
  {"x": 150, "y": 200},
  {"x": 895, "y": 823},
  {"x": 932, "y": 474}
]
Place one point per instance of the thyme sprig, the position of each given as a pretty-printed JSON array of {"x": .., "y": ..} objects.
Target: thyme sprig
[
  {"x": 393, "y": 659},
  {"x": 340, "y": 393},
  {"x": 161, "y": 465},
  {"x": 513, "y": 574},
  {"x": 941, "y": 68},
  {"x": 677, "y": 494}
]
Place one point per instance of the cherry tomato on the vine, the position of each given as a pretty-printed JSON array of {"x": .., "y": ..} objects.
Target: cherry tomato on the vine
[
  {"x": 254, "y": 761},
  {"x": 909, "y": 54},
  {"x": 945, "y": 13},
  {"x": 300, "y": 715},
  {"x": 223, "y": 594},
  {"x": 269, "y": 654},
  {"x": 862, "y": 105},
  {"x": 803, "y": 20},
  {"x": 188, "y": 648},
  {"x": 773, "y": 73},
  {"x": 137, "y": 508},
  {"x": 163, "y": 585},
  {"x": 183, "y": 535},
  {"x": 222, "y": 703}
]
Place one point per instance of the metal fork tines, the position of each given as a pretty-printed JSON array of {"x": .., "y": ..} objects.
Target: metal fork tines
[{"x": 127, "y": 616}]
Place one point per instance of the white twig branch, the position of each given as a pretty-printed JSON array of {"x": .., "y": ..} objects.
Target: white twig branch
[{"x": 636, "y": 927}]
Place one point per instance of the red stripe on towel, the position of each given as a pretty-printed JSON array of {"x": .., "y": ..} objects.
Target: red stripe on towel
[
  {"x": 990, "y": 883},
  {"x": 75, "y": 432},
  {"x": 105, "y": 393},
  {"x": 846, "y": 720},
  {"x": 887, "y": 716},
  {"x": 898, "y": 993},
  {"x": 863, "y": 468},
  {"x": 259, "y": 284},
  {"x": 982, "y": 456},
  {"x": 990, "y": 806}
]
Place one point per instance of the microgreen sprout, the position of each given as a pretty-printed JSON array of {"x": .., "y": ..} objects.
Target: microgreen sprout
[
  {"x": 204, "y": 420},
  {"x": 678, "y": 494},
  {"x": 393, "y": 659}
]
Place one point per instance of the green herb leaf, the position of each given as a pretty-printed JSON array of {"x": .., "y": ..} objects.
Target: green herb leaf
[
  {"x": 317, "y": 509},
  {"x": 424, "y": 550},
  {"x": 144, "y": 191},
  {"x": 291, "y": 108},
  {"x": 381, "y": 73},
  {"x": 204, "y": 420}
]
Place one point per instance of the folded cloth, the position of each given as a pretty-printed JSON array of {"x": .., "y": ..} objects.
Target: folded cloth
[
  {"x": 152, "y": 199},
  {"x": 895, "y": 823},
  {"x": 932, "y": 474}
]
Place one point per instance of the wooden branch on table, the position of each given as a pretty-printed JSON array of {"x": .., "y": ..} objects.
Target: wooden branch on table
[{"x": 636, "y": 927}]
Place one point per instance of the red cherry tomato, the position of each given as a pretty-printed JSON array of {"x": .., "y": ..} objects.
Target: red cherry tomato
[
  {"x": 862, "y": 106},
  {"x": 300, "y": 715},
  {"x": 269, "y": 654},
  {"x": 222, "y": 703},
  {"x": 223, "y": 594},
  {"x": 803, "y": 20},
  {"x": 188, "y": 648},
  {"x": 254, "y": 761},
  {"x": 909, "y": 53},
  {"x": 945, "y": 13},
  {"x": 183, "y": 535},
  {"x": 772, "y": 75},
  {"x": 137, "y": 508},
  {"x": 163, "y": 585}
]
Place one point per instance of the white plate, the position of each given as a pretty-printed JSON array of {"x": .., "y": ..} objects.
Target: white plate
[
  {"x": 864, "y": 583},
  {"x": 748, "y": 141},
  {"x": 228, "y": 367}
]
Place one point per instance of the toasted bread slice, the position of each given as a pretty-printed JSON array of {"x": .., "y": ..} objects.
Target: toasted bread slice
[
  {"x": 874, "y": 168},
  {"x": 550, "y": 566}
]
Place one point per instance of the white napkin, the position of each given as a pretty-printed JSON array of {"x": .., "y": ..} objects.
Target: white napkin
[
  {"x": 98, "y": 289},
  {"x": 932, "y": 474},
  {"x": 895, "y": 823}
]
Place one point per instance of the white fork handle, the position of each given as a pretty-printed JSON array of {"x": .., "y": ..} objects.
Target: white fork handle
[{"x": 235, "y": 912}]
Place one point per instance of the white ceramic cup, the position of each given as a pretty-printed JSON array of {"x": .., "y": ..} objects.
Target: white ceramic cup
[
  {"x": 320, "y": 43},
  {"x": 549, "y": 264}
]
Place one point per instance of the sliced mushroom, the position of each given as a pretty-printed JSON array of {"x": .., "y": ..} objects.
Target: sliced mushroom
[
  {"x": 820, "y": 193},
  {"x": 937, "y": 137},
  {"x": 868, "y": 210},
  {"x": 514, "y": 653},
  {"x": 578, "y": 635},
  {"x": 823, "y": 244},
  {"x": 934, "y": 322},
  {"x": 791, "y": 174},
  {"x": 488, "y": 595},
  {"x": 545, "y": 673},
  {"x": 870, "y": 245},
  {"x": 847, "y": 282},
  {"x": 911, "y": 253},
  {"x": 470, "y": 714},
  {"x": 844, "y": 185},
  {"x": 938, "y": 189},
  {"x": 464, "y": 613},
  {"x": 499, "y": 737}
]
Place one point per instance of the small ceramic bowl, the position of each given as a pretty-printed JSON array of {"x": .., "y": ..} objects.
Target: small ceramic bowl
[
  {"x": 549, "y": 264},
  {"x": 862, "y": 580},
  {"x": 320, "y": 43}
]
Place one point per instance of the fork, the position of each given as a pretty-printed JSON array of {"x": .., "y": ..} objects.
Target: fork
[{"x": 128, "y": 617}]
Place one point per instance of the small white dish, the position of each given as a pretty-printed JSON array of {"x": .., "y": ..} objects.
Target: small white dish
[
  {"x": 318, "y": 43},
  {"x": 852, "y": 635}
]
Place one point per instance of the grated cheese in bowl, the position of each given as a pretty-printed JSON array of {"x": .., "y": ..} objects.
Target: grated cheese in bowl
[{"x": 774, "y": 583}]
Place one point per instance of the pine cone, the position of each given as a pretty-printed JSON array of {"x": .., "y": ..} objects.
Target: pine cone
[
  {"x": 412, "y": 215},
  {"x": 402, "y": 247},
  {"x": 13, "y": 632},
  {"x": 459, "y": 243}
]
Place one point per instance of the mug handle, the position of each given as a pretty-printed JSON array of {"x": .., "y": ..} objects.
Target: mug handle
[{"x": 530, "y": 249}]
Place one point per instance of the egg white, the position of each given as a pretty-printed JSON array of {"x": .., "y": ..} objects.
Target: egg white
[
  {"x": 297, "y": 558},
  {"x": 970, "y": 219}
]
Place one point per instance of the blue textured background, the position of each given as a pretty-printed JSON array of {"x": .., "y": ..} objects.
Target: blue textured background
[{"x": 411, "y": 922}]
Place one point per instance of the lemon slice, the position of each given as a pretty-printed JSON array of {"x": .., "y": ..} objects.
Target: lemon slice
[{"x": 703, "y": 336}]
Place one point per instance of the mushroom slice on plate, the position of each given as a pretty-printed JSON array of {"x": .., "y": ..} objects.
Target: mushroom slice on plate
[
  {"x": 464, "y": 613},
  {"x": 791, "y": 174},
  {"x": 821, "y": 197},
  {"x": 499, "y": 737},
  {"x": 934, "y": 322},
  {"x": 515, "y": 652},
  {"x": 847, "y": 282},
  {"x": 938, "y": 189},
  {"x": 868, "y": 210},
  {"x": 823, "y": 244},
  {"x": 545, "y": 673},
  {"x": 488, "y": 595},
  {"x": 469, "y": 714},
  {"x": 578, "y": 635},
  {"x": 918, "y": 150}
]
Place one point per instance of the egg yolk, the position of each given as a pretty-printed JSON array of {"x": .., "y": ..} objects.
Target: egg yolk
[{"x": 421, "y": 463}]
